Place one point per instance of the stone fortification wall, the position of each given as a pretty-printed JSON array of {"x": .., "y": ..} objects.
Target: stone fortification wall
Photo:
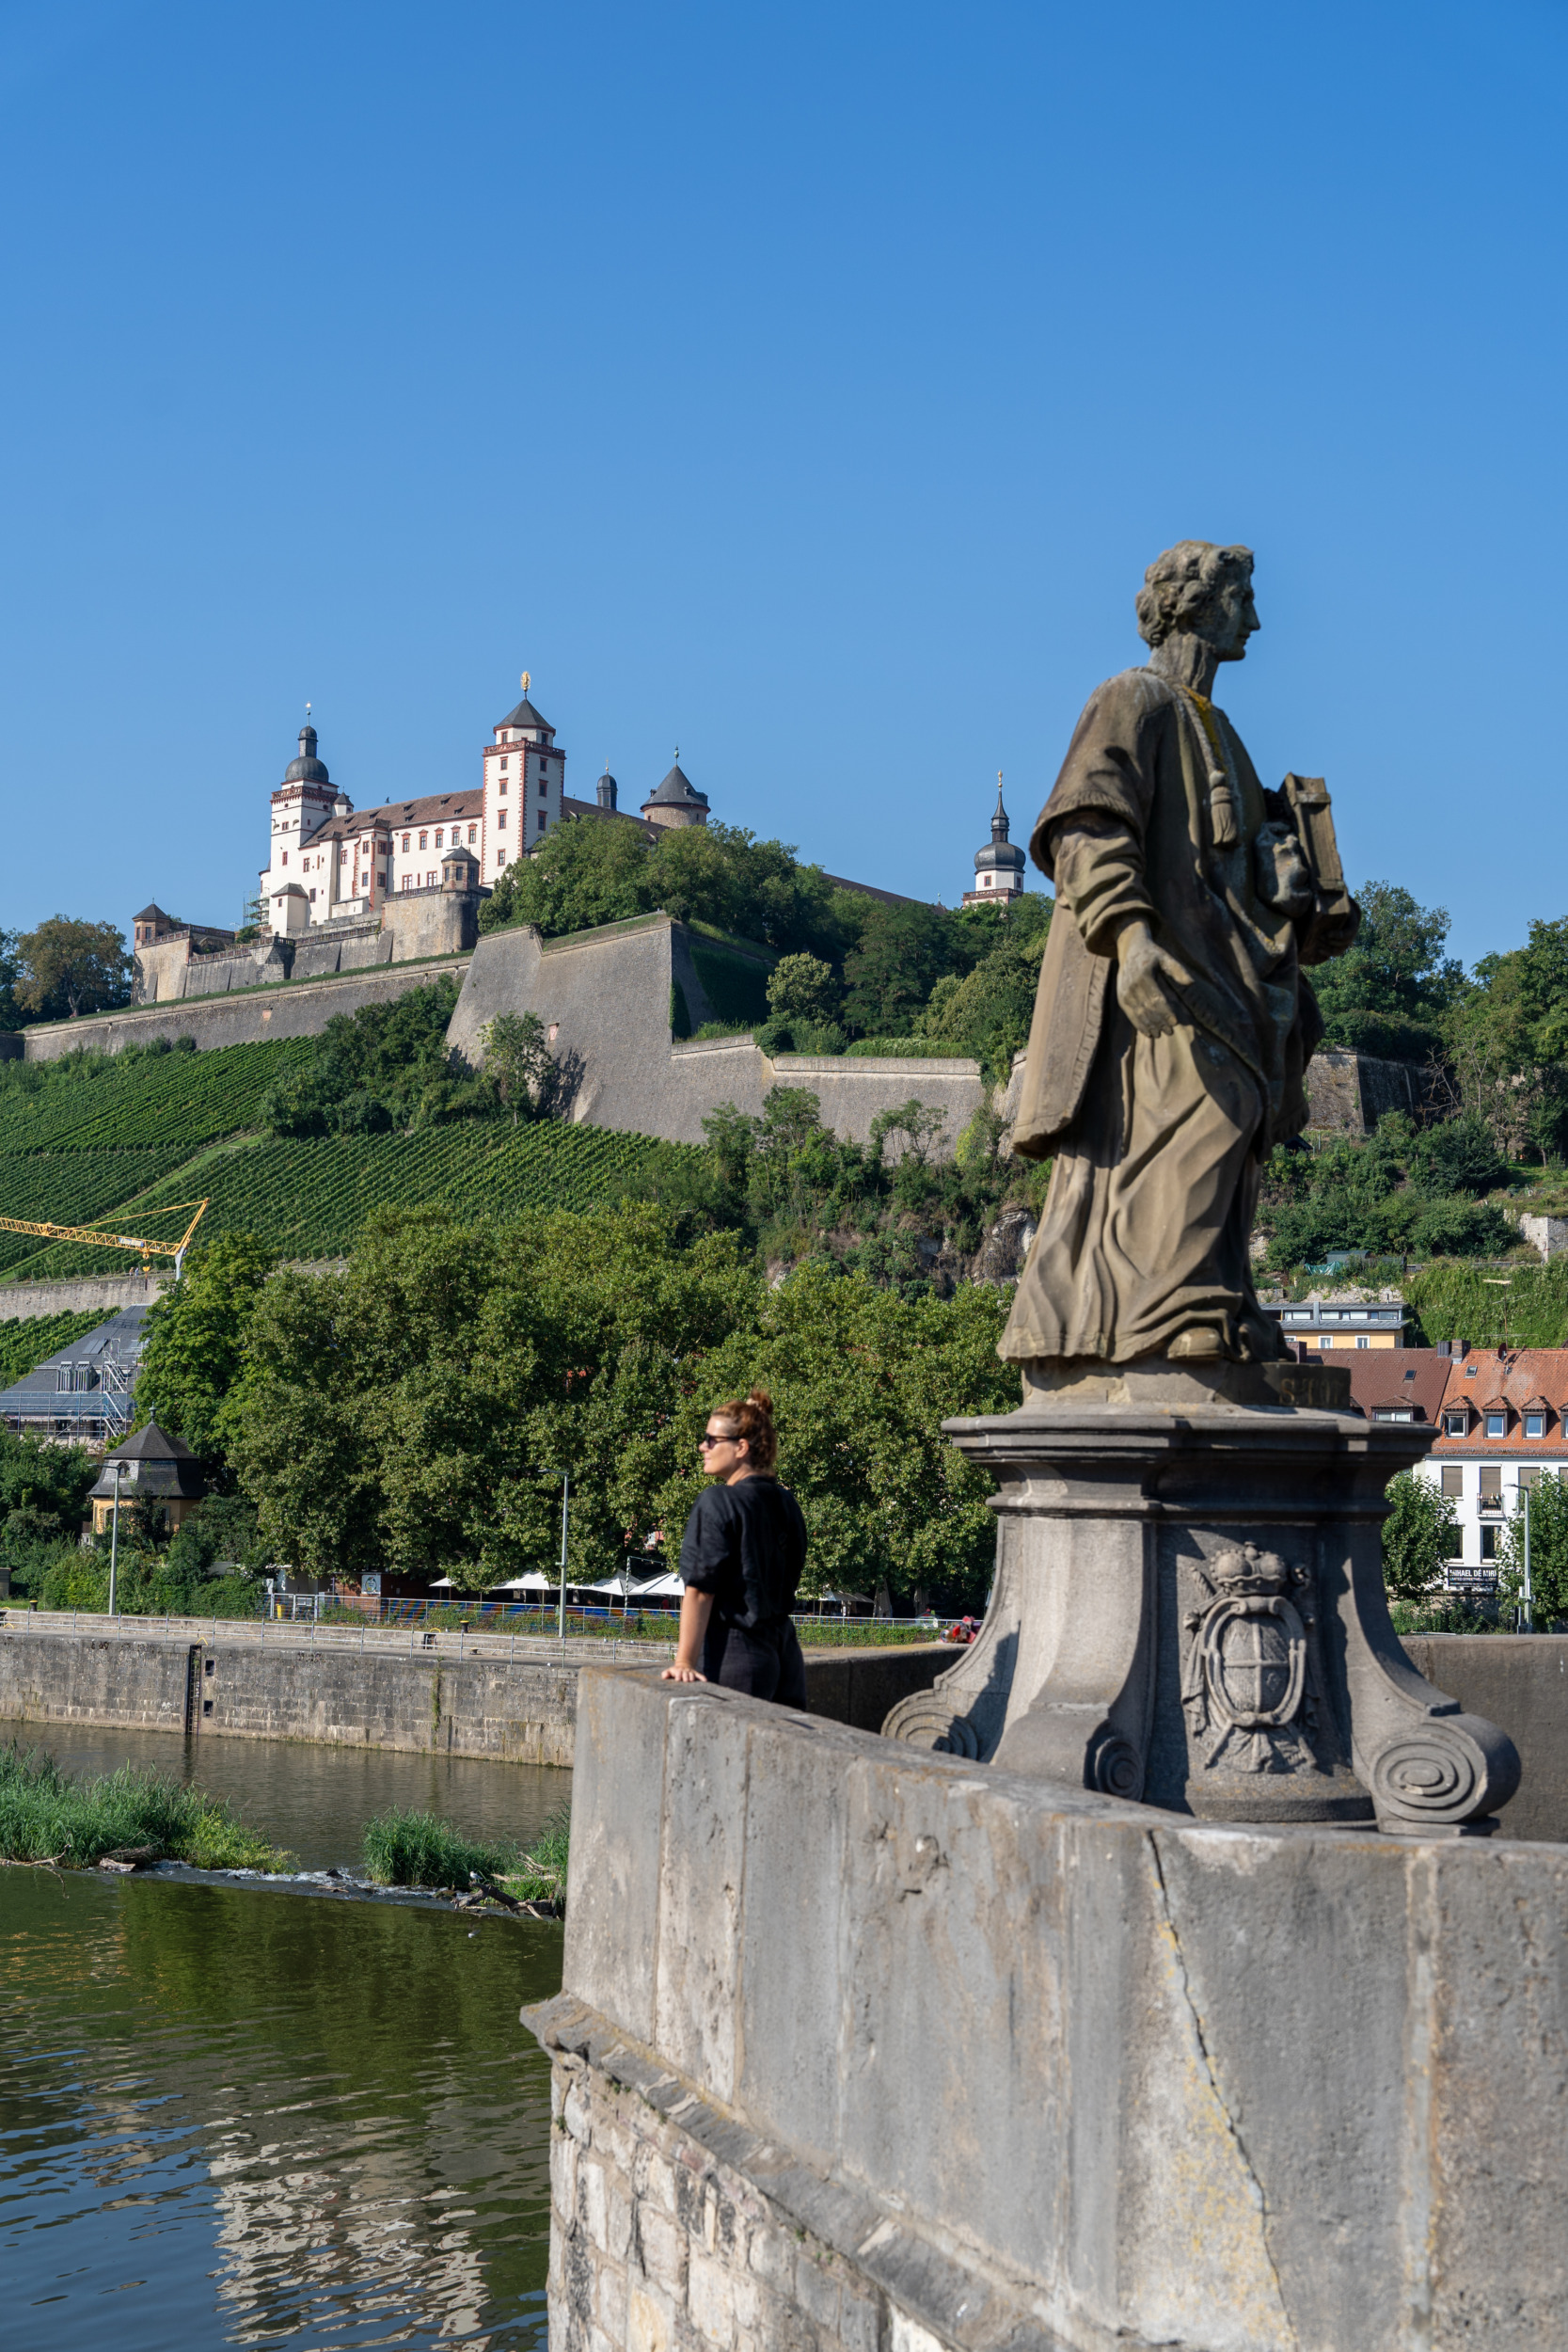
[
  {"x": 1348, "y": 1093},
  {"x": 246, "y": 1017},
  {"x": 515, "y": 1710},
  {"x": 24, "y": 1302},
  {"x": 1009, "y": 2063},
  {"x": 607, "y": 998}
]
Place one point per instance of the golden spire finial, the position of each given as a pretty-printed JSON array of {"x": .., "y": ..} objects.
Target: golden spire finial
[{"x": 525, "y": 681}]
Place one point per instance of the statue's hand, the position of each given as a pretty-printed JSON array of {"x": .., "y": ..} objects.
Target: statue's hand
[{"x": 1145, "y": 976}]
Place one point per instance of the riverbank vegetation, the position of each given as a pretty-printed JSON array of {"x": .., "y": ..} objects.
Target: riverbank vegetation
[
  {"x": 47, "y": 1816},
  {"x": 406, "y": 1848}
]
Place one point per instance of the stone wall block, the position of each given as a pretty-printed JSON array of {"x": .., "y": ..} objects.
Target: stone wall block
[
  {"x": 954, "y": 1890},
  {"x": 648, "y": 2321},
  {"x": 796, "y": 1828},
  {"x": 1489, "y": 2034},
  {"x": 702, "y": 1874},
  {"x": 1264, "y": 1933},
  {"x": 612, "y": 1883},
  {"x": 710, "y": 2300},
  {"x": 661, "y": 2253}
]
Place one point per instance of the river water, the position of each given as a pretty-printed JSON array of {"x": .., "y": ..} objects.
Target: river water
[{"x": 236, "y": 2113}]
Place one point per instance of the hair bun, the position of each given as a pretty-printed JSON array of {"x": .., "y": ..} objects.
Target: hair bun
[{"x": 760, "y": 1398}]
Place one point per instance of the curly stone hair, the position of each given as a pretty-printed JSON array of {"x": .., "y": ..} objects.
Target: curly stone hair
[{"x": 1182, "y": 587}]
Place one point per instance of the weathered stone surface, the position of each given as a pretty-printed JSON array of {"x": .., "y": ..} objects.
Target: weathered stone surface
[
  {"x": 236, "y": 1017},
  {"x": 1035, "y": 2065},
  {"x": 1189, "y": 1609},
  {"x": 516, "y": 1710}
]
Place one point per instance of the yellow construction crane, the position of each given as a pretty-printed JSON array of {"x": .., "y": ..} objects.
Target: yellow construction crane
[{"x": 150, "y": 1249}]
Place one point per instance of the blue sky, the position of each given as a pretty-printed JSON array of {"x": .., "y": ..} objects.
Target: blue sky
[{"x": 807, "y": 386}]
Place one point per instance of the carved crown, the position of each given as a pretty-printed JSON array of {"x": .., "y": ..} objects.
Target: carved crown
[{"x": 1250, "y": 1570}]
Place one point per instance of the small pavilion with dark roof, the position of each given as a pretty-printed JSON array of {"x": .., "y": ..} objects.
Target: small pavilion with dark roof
[{"x": 159, "y": 1470}]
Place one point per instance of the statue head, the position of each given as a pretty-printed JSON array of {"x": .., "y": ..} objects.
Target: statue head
[{"x": 1197, "y": 590}]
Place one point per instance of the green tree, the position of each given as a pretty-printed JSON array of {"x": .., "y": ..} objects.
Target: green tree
[
  {"x": 861, "y": 1379},
  {"x": 72, "y": 966},
  {"x": 197, "y": 1337},
  {"x": 12, "y": 1014},
  {"x": 1387, "y": 995},
  {"x": 1548, "y": 1554},
  {"x": 384, "y": 1066},
  {"x": 598, "y": 871},
  {"x": 903, "y": 952},
  {"x": 1418, "y": 1536},
  {"x": 519, "y": 1066},
  {"x": 804, "y": 988},
  {"x": 582, "y": 874},
  {"x": 988, "y": 1011},
  {"x": 416, "y": 1412}
]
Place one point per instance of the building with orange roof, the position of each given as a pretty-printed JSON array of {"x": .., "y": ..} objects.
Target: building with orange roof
[{"x": 1502, "y": 1427}]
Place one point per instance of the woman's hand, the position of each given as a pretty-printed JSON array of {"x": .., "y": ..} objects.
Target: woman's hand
[{"x": 696, "y": 1609}]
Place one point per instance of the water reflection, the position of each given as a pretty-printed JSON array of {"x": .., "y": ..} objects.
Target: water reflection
[{"x": 229, "y": 2116}]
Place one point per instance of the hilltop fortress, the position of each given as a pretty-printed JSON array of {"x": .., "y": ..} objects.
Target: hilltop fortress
[{"x": 361, "y": 905}]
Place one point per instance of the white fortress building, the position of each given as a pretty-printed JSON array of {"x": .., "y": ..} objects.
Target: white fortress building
[
  {"x": 336, "y": 863},
  {"x": 330, "y": 862}
]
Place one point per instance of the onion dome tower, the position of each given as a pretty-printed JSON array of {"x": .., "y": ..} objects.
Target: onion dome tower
[{"x": 999, "y": 867}]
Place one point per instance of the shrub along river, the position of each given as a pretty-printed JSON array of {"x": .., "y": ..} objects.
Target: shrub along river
[{"x": 253, "y": 2112}]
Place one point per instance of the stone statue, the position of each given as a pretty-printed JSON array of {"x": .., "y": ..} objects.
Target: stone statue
[
  {"x": 1173, "y": 1025},
  {"x": 1189, "y": 1606}
]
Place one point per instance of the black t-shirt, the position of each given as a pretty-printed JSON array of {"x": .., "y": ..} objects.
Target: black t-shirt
[{"x": 746, "y": 1545}]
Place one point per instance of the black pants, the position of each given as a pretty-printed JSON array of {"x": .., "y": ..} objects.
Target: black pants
[{"x": 764, "y": 1661}]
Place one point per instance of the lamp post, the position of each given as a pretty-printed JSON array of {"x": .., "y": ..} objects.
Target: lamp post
[
  {"x": 566, "y": 1513},
  {"x": 1529, "y": 1593},
  {"x": 114, "y": 1542}
]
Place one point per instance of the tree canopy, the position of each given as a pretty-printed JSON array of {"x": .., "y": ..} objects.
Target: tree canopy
[
  {"x": 68, "y": 966},
  {"x": 417, "y": 1412}
]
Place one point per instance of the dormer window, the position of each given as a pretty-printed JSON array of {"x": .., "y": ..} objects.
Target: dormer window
[
  {"x": 1496, "y": 1424},
  {"x": 1456, "y": 1424},
  {"x": 1535, "y": 1424}
]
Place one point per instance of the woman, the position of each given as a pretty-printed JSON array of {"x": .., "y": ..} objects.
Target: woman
[{"x": 741, "y": 1558}]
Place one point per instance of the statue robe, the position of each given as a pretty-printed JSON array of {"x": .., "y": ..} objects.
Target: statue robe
[{"x": 1158, "y": 1142}]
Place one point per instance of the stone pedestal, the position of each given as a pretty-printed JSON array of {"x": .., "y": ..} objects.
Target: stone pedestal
[{"x": 1189, "y": 1606}]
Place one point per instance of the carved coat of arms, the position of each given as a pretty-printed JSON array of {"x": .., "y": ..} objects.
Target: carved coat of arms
[{"x": 1248, "y": 1687}]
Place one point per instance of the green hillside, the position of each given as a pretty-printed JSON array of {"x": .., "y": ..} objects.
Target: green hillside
[{"x": 102, "y": 1140}]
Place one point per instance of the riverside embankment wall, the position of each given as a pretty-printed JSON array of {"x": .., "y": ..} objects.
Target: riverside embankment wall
[
  {"x": 857, "y": 2049},
  {"x": 202, "y": 1680}
]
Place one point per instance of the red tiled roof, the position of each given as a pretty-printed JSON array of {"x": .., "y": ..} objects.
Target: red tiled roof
[
  {"x": 1394, "y": 1377},
  {"x": 437, "y": 808},
  {"x": 1534, "y": 1380}
]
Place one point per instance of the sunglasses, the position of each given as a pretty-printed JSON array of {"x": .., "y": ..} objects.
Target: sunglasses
[{"x": 708, "y": 1439}]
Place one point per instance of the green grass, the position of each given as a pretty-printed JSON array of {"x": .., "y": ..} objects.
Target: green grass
[
  {"x": 23, "y": 1345},
  {"x": 45, "y": 1815},
  {"x": 907, "y": 1049},
  {"x": 403, "y": 1848},
  {"x": 543, "y": 1876}
]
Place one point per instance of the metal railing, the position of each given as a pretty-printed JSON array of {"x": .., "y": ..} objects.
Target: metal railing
[{"x": 372, "y": 1637}]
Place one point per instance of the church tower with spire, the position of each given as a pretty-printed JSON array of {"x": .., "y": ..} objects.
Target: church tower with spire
[{"x": 999, "y": 867}]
